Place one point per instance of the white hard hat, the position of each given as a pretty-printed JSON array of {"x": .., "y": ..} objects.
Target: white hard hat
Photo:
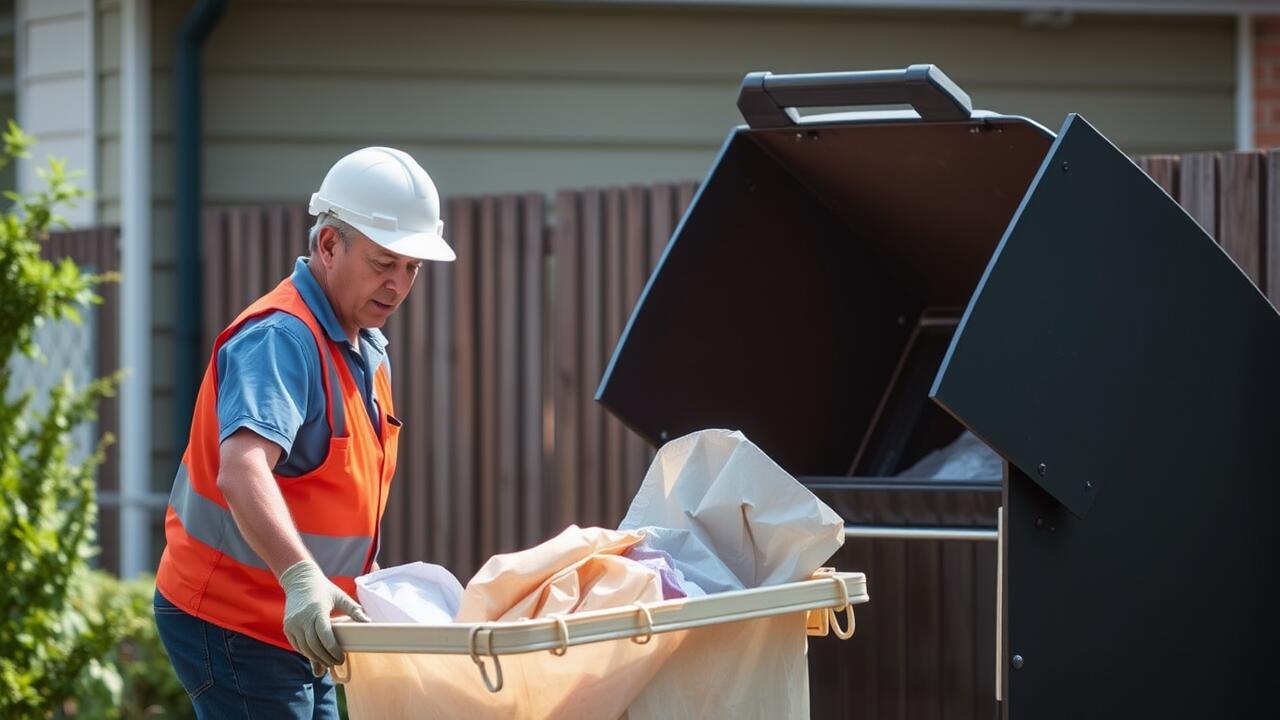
[{"x": 385, "y": 194}]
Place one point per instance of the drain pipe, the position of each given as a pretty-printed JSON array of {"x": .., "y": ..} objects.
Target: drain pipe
[
  {"x": 188, "y": 145},
  {"x": 135, "y": 286},
  {"x": 1244, "y": 82}
]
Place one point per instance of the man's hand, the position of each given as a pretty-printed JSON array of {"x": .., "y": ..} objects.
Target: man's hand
[{"x": 309, "y": 598}]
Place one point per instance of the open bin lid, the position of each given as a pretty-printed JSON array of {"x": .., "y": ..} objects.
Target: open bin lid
[{"x": 784, "y": 300}]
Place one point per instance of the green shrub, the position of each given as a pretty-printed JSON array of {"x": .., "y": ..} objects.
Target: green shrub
[
  {"x": 53, "y": 631},
  {"x": 134, "y": 680}
]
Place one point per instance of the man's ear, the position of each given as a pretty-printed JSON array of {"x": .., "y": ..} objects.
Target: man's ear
[{"x": 327, "y": 244}]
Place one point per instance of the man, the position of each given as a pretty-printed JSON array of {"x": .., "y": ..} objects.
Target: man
[{"x": 277, "y": 502}]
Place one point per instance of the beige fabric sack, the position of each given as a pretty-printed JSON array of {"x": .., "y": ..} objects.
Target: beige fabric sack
[
  {"x": 597, "y": 680},
  {"x": 579, "y": 569},
  {"x": 753, "y": 670}
]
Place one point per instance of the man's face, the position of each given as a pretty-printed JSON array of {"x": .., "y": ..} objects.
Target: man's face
[{"x": 367, "y": 282}]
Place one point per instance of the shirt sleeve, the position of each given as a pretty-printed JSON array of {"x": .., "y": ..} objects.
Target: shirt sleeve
[{"x": 265, "y": 375}]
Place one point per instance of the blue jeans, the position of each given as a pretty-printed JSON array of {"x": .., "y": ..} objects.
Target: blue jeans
[{"x": 231, "y": 676}]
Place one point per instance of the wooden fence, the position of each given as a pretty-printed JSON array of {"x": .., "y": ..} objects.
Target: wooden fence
[
  {"x": 1236, "y": 198},
  {"x": 496, "y": 357}
]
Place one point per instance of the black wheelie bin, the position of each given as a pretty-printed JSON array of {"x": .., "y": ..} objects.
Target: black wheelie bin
[{"x": 859, "y": 290}]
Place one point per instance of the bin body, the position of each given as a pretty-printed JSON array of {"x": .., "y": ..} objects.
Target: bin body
[{"x": 852, "y": 291}]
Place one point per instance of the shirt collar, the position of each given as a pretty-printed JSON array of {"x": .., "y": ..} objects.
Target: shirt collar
[{"x": 318, "y": 302}]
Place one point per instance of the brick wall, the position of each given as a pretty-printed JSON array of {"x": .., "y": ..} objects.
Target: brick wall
[{"x": 1266, "y": 78}]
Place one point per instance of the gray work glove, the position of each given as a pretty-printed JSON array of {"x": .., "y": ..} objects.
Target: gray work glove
[{"x": 309, "y": 598}]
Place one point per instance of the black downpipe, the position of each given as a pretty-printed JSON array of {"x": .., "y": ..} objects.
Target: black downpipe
[{"x": 188, "y": 76}]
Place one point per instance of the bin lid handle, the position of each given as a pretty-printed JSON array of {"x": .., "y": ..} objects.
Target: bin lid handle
[{"x": 769, "y": 101}]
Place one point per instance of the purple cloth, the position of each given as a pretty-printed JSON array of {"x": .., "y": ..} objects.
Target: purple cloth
[{"x": 673, "y": 583}]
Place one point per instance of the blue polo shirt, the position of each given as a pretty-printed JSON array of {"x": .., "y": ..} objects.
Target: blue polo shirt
[{"x": 269, "y": 378}]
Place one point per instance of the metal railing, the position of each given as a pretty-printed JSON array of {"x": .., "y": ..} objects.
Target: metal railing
[{"x": 893, "y": 532}]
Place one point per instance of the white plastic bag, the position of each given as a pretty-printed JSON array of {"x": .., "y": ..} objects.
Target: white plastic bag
[
  {"x": 415, "y": 593},
  {"x": 966, "y": 458},
  {"x": 729, "y": 516}
]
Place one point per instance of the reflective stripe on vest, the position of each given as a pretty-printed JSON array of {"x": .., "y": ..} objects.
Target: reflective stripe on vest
[{"x": 212, "y": 524}]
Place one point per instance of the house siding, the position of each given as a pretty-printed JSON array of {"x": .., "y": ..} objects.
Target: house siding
[
  {"x": 494, "y": 97},
  {"x": 54, "y": 70}
]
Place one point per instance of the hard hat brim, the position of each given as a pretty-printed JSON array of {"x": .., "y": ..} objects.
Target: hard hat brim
[{"x": 417, "y": 245}]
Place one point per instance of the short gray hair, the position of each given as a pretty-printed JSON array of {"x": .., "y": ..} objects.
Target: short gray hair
[{"x": 329, "y": 220}]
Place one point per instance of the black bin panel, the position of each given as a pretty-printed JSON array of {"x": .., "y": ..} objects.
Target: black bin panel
[{"x": 1130, "y": 371}]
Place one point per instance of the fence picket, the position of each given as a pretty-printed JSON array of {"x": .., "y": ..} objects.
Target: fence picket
[
  {"x": 635, "y": 449},
  {"x": 592, "y": 341},
  {"x": 1271, "y": 225},
  {"x": 506, "y": 266},
  {"x": 1198, "y": 189},
  {"x": 1242, "y": 204},
  {"x": 565, "y": 318},
  {"x": 615, "y": 305},
  {"x": 486, "y": 300},
  {"x": 465, "y": 542},
  {"x": 533, "y": 387},
  {"x": 1164, "y": 169},
  {"x": 443, "y": 422}
]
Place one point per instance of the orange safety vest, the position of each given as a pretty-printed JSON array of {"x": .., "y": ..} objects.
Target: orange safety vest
[{"x": 208, "y": 569}]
